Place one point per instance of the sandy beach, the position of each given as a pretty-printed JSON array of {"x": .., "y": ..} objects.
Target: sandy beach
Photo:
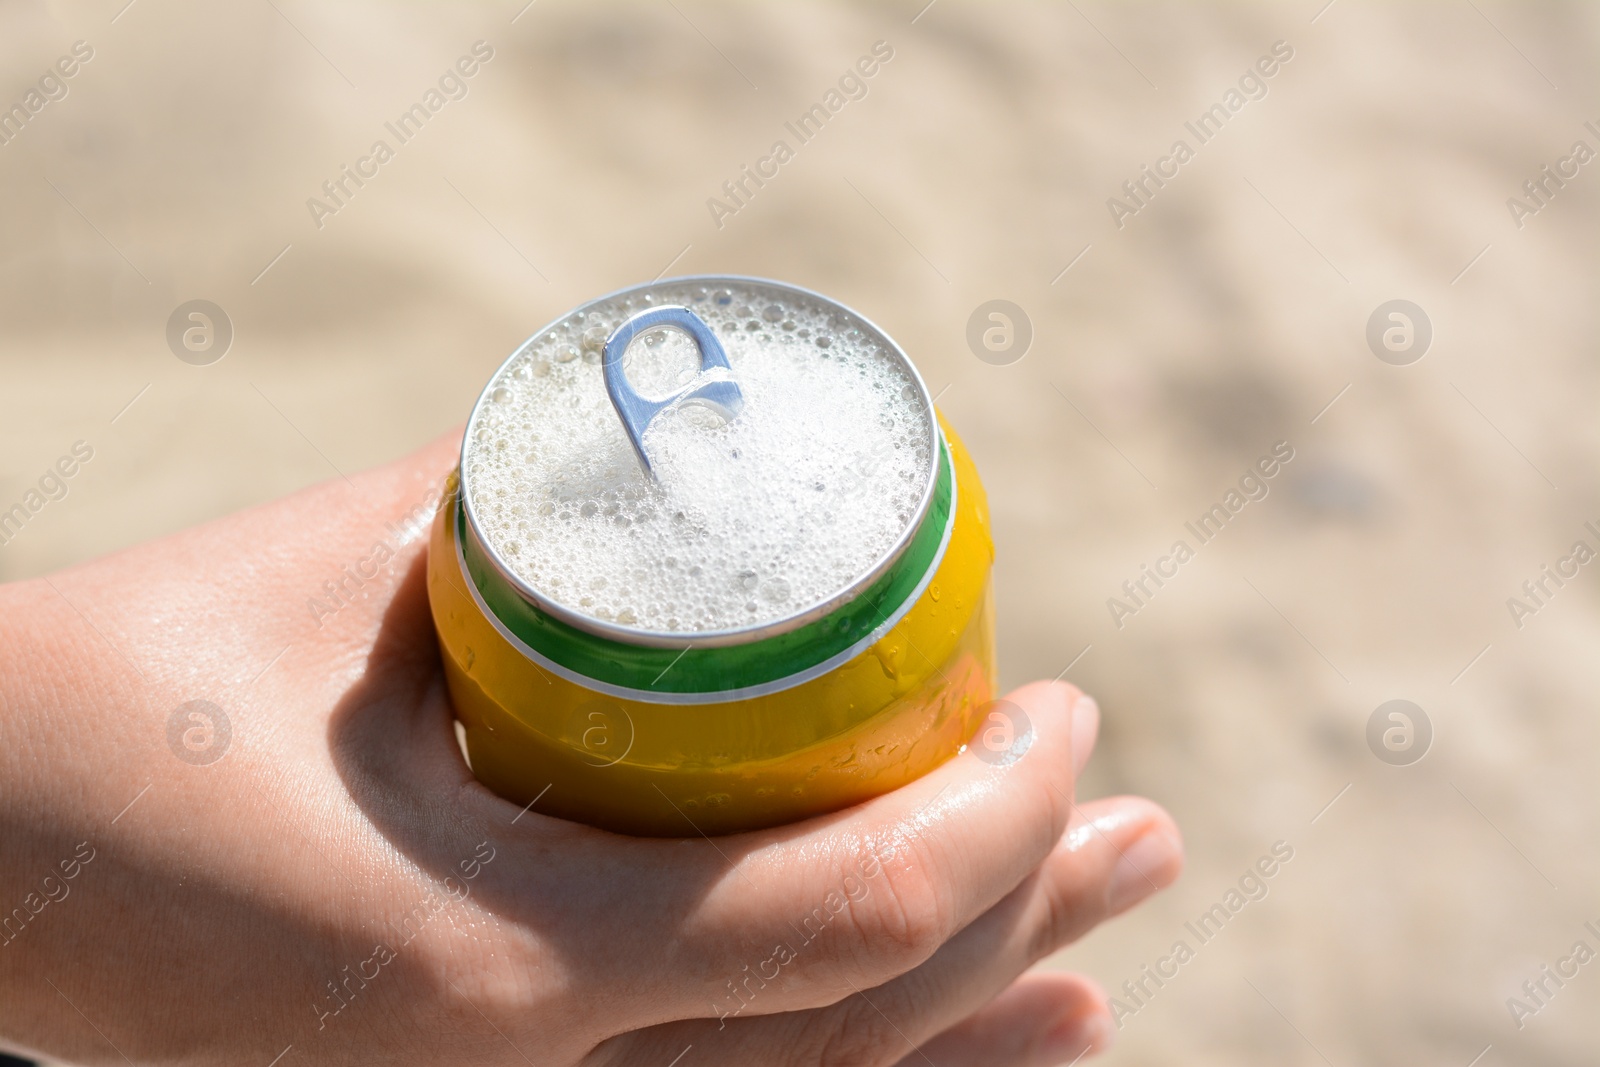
[{"x": 1192, "y": 312}]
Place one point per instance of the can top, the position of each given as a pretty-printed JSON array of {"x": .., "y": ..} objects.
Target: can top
[{"x": 699, "y": 461}]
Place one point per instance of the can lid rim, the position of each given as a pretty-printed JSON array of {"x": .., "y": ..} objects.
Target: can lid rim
[
  {"x": 734, "y": 635},
  {"x": 708, "y": 675}
]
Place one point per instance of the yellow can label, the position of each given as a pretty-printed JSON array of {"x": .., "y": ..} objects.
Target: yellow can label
[{"x": 883, "y": 691}]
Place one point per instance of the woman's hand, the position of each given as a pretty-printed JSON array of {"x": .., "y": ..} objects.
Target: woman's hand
[{"x": 303, "y": 870}]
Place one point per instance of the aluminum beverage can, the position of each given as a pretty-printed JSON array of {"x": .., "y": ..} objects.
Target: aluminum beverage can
[{"x": 661, "y": 725}]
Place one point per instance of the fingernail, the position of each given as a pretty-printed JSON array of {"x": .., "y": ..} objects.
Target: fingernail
[
  {"x": 1074, "y": 1038},
  {"x": 1085, "y": 725},
  {"x": 1150, "y": 863}
]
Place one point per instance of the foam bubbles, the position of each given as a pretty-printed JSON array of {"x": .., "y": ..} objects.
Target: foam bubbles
[{"x": 749, "y": 520}]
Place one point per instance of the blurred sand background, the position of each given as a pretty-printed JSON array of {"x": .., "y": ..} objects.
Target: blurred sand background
[{"x": 1220, "y": 319}]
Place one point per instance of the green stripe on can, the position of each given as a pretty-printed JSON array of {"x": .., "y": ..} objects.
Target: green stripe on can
[{"x": 730, "y": 672}]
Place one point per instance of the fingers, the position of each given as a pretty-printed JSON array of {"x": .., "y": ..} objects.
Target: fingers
[
  {"x": 1042, "y": 1020},
  {"x": 1125, "y": 849},
  {"x": 1085, "y": 729},
  {"x": 809, "y": 913},
  {"x": 1147, "y": 844}
]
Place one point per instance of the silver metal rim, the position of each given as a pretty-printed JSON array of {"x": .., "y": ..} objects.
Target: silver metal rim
[{"x": 708, "y": 638}]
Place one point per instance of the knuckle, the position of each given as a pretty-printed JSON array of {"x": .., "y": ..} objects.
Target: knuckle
[
  {"x": 1059, "y": 920},
  {"x": 908, "y": 915},
  {"x": 852, "y": 1034},
  {"x": 1068, "y": 895},
  {"x": 887, "y": 915}
]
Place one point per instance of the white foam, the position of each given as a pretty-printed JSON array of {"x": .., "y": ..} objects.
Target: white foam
[{"x": 748, "y": 521}]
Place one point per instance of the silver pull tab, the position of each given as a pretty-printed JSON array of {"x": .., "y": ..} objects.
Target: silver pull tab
[{"x": 636, "y": 412}]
